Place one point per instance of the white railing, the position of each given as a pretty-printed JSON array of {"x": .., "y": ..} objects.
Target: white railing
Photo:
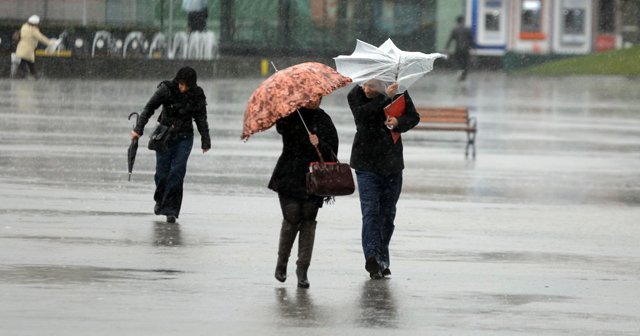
[{"x": 196, "y": 46}]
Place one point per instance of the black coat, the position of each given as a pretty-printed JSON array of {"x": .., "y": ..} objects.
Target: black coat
[
  {"x": 463, "y": 38},
  {"x": 289, "y": 175},
  {"x": 178, "y": 111},
  {"x": 373, "y": 149}
]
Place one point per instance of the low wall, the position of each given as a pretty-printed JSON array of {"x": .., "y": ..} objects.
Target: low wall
[
  {"x": 141, "y": 68},
  {"x": 224, "y": 67}
]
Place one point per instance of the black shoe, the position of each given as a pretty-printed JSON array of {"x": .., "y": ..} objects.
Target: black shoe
[
  {"x": 386, "y": 272},
  {"x": 156, "y": 208},
  {"x": 372, "y": 265},
  {"x": 373, "y": 268},
  {"x": 376, "y": 275},
  {"x": 171, "y": 219}
]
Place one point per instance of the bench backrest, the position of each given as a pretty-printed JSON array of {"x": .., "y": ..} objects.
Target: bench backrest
[{"x": 446, "y": 115}]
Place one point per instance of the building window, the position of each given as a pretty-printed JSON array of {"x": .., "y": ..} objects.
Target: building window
[
  {"x": 573, "y": 20},
  {"x": 531, "y": 17},
  {"x": 492, "y": 16}
]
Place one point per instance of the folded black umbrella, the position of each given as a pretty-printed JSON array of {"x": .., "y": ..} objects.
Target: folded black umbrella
[{"x": 133, "y": 147}]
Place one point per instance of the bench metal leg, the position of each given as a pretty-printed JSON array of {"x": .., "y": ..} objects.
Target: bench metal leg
[{"x": 471, "y": 142}]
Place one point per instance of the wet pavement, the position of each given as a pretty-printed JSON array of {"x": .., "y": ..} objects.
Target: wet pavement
[{"x": 537, "y": 236}]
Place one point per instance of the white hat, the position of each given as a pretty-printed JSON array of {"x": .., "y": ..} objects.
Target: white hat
[{"x": 34, "y": 20}]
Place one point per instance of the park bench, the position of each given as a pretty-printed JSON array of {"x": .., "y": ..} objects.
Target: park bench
[{"x": 449, "y": 119}]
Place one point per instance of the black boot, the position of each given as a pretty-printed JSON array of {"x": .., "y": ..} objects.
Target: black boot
[
  {"x": 288, "y": 233},
  {"x": 303, "y": 281},
  {"x": 305, "y": 250},
  {"x": 373, "y": 268}
]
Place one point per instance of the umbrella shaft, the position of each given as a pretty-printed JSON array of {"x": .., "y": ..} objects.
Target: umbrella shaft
[
  {"x": 309, "y": 133},
  {"x": 303, "y": 123}
]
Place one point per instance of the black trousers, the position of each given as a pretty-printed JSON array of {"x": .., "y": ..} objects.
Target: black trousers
[
  {"x": 296, "y": 210},
  {"x": 24, "y": 66},
  {"x": 462, "y": 60}
]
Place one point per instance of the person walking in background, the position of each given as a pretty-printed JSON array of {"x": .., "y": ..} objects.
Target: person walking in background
[
  {"x": 197, "y": 14},
  {"x": 30, "y": 35},
  {"x": 299, "y": 209},
  {"x": 183, "y": 102},
  {"x": 378, "y": 162},
  {"x": 463, "y": 39}
]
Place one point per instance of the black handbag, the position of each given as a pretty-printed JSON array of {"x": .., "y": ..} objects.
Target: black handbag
[
  {"x": 159, "y": 139},
  {"x": 327, "y": 179}
]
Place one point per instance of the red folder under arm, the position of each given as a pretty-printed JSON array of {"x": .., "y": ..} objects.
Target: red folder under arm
[{"x": 394, "y": 110}]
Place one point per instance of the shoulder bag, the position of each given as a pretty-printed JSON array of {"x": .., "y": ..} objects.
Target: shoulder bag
[
  {"x": 327, "y": 179},
  {"x": 159, "y": 139}
]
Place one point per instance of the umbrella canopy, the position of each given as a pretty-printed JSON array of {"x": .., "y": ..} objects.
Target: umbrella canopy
[
  {"x": 286, "y": 91},
  {"x": 133, "y": 147},
  {"x": 387, "y": 63}
]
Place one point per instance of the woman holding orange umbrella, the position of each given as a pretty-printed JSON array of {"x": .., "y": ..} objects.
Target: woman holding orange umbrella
[
  {"x": 299, "y": 209},
  {"x": 290, "y": 99}
]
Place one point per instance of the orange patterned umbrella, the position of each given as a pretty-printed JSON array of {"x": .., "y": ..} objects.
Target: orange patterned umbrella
[{"x": 286, "y": 91}]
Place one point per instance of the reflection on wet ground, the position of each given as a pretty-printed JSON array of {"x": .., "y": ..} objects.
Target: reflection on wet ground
[
  {"x": 377, "y": 305},
  {"x": 167, "y": 234},
  {"x": 72, "y": 274},
  {"x": 537, "y": 236},
  {"x": 296, "y": 309}
]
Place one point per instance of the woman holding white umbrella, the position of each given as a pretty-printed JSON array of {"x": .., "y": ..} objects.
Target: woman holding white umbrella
[{"x": 385, "y": 73}]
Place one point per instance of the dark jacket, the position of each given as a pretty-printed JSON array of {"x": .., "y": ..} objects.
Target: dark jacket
[
  {"x": 373, "y": 149},
  {"x": 178, "y": 111},
  {"x": 463, "y": 38},
  {"x": 289, "y": 175}
]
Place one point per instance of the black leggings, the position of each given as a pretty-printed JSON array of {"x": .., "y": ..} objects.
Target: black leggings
[
  {"x": 26, "y": 66},
  {"x": 296, "y": 210}
]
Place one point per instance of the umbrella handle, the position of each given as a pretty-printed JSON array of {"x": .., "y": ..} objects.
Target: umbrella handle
[
  {"x": 309, "y": 133},
  {"x": 137, "y": 117}
]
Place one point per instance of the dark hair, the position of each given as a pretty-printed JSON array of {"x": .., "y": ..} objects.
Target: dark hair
[
  {"x": 188, "y": 76},
  {"x": 460, "y": 19}
]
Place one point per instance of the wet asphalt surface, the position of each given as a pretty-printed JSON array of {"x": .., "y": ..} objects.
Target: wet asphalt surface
[{"x": 537, "y": 236}]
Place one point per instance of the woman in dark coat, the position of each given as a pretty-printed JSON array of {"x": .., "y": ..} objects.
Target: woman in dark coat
[
  {"x": 183, "y": 102},
  {"x": 300, "y": 209},
  {"x": 378, "y": 162}
]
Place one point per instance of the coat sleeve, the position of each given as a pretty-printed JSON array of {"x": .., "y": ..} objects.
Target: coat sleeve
[
  {"x": 283, "y": 125},
  {"x": 410, "y": 118},
  {"x": 152, "y": 105},
  {"x": 43, "y": 39},
  {"x": 367, "y": 113},
  {"x": 200, "y": 117},
  {"x": 328, "y": 139}
]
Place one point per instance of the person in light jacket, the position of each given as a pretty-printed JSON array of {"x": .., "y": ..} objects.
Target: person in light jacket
[{"x": 30, "y": 35}]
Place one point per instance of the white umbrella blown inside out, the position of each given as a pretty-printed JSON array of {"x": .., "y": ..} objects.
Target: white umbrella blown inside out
[{"x": 386, "y": 63}]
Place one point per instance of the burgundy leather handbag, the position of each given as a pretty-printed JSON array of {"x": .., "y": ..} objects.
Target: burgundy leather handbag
[{"x": 327, "y": 179}]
